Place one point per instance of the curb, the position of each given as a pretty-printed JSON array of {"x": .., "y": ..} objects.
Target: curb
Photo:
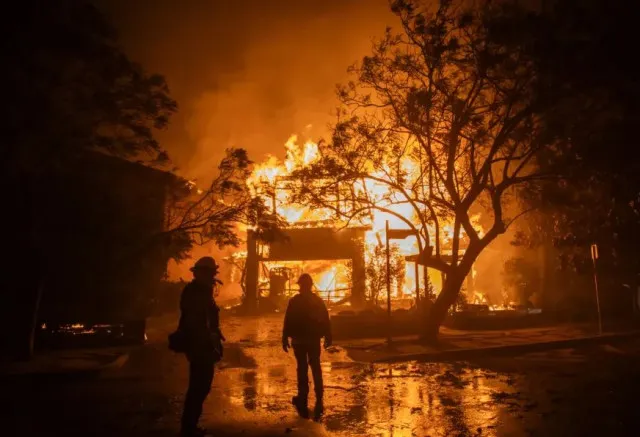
[
  {"x": 115, "y": 364},
  {"x": 89, "y": 371},
  {"x": 463, "y": 354}
]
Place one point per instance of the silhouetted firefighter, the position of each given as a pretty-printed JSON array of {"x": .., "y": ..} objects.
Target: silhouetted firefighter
[
  {"x": 306, "y": 322},
  {"x": 200, "y": 338}
]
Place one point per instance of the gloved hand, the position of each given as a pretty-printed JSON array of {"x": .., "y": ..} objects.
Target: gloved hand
[
  {"x": 285, "y": 344},
  {"x": 327, "y": 343}
]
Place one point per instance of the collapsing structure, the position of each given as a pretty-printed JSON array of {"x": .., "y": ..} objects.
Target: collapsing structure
[
  {"x": 335, "y": 254},
  {"x": 345, "y": 259}
]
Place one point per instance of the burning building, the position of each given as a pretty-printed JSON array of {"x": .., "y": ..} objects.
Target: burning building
[{"x": 339, "y": 254}]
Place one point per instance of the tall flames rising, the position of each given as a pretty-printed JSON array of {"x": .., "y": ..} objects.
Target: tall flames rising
[{"x": 331, "y": 280}]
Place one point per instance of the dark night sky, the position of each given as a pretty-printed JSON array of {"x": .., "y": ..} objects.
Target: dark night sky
[{"x": 246, "y": 72}]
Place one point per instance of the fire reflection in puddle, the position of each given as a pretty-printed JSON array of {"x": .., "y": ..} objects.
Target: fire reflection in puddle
[
  {"x": 436, "y": 399},
  {"x": 257, "y": 383}
]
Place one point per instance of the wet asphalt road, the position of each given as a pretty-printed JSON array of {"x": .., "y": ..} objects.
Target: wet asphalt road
[{"x": 592, "y": 390}]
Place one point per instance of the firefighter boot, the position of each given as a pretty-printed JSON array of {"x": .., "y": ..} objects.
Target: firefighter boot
[{"x": 301, "y": 406}]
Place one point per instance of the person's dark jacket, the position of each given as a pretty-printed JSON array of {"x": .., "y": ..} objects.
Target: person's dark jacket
[
  {"x": 199, "y": 319},
  {"x": 307, "y": 319}
]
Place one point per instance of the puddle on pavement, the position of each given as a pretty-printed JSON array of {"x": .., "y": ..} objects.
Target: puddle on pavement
[
  {"x": 396, "y": 400},
  {"x": 420, "y": 399}
]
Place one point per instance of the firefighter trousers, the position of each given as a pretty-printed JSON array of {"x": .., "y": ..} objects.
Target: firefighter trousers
[
  {"x": 308, "y": 355},
  {"x": 200, "y": 380}
]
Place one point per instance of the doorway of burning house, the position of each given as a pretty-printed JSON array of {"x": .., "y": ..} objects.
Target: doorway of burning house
[
  {"x": 309, "y": 244},
  {"x": 277, "y": 280}
]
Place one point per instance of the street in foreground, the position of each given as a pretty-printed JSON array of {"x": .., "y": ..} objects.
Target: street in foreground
[{"x": 591, "y": 390}]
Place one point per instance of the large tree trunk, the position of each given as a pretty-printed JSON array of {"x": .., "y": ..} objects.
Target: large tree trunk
[
  {"x": 455, "y": 277},
  {"x": 451, "y": 288},
  {"x": 439, "y": 309}
]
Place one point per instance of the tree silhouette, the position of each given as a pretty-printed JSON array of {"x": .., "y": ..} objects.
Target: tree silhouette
[
  {"x": 581, "y": 49},
  {"x": 199, "y": 217},
  {"x": 443, "y": 116},
  {"x": 70, "y": 87}
]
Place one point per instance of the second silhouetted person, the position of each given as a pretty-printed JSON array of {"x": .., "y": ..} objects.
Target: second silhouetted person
[{"x": 306, "y": 322}]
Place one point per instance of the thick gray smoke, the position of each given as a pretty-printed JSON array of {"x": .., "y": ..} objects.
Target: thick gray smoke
[{"x": 246, "y": 73}]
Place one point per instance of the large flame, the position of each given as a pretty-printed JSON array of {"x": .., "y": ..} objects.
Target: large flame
[{"x": 269, "y": 178}]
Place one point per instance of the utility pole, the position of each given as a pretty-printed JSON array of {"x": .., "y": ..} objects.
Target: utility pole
[
  {"x": 388, "y": 283},
  {"x": 594, "y": 258},
  {"x": 417, "y": 276},
  {"x": 393, "y": 234}
]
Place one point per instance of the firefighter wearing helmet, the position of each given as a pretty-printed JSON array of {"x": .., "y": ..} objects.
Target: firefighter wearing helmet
[
  {"x": 306, "y": 322},
  {"x": 202, "y": 339}
]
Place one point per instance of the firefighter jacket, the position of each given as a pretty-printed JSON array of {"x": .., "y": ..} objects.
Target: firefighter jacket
[{"x": 307, "y": 319}]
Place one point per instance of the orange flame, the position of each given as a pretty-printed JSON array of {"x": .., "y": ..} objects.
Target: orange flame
[{"x": 268, "y": 176}]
